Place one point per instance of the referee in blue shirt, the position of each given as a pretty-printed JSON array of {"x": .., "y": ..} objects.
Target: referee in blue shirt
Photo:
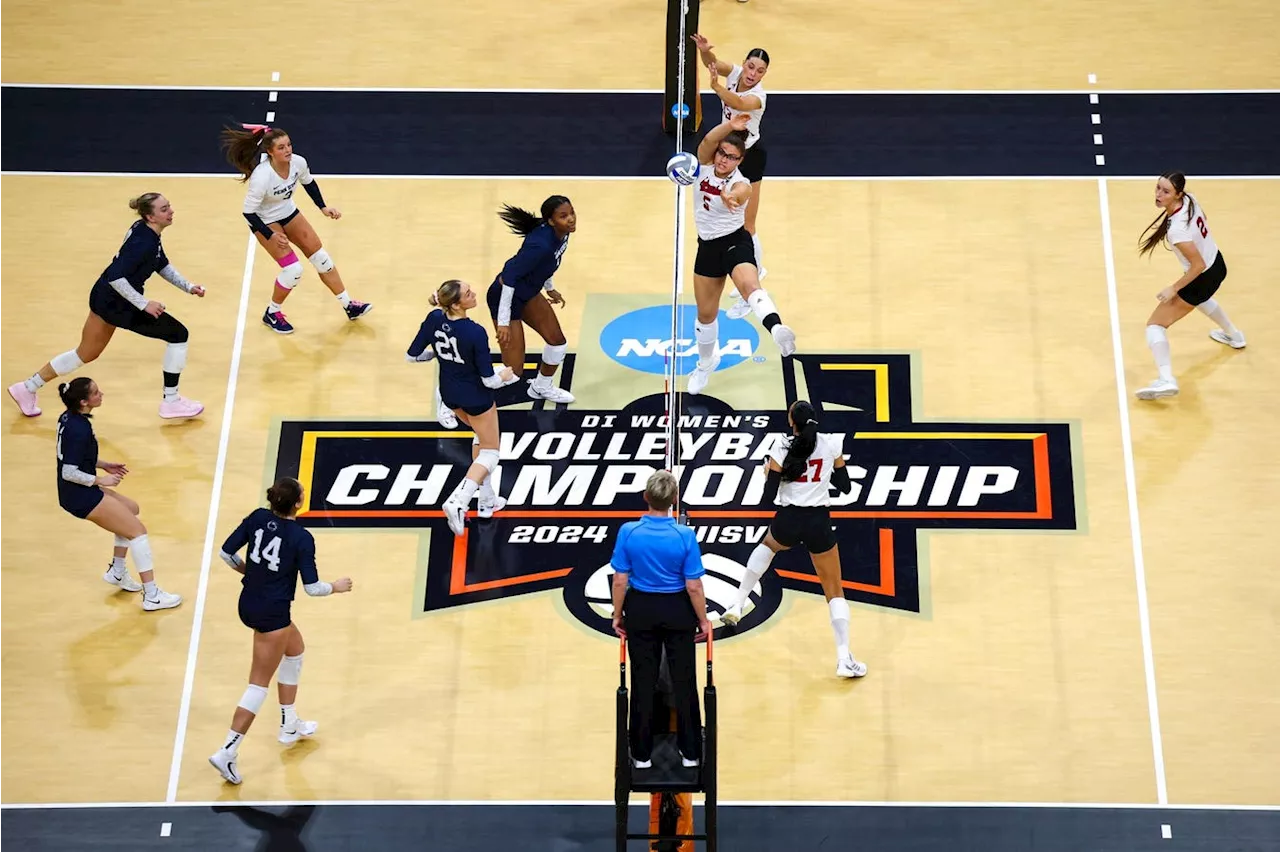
[{"x": 658, "y": 603}]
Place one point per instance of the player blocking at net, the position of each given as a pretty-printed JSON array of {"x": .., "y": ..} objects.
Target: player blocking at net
[{"x": 725, "y": 247}]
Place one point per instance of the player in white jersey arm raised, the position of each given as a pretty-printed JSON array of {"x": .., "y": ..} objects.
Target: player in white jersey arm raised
[
  {"x": 721, "y": 197},
  {"x": 799, "y": 475},
  {"x": 742, "y": 91},
  {"x": 276, "y": 221},
  {"x": 1183, "y": 225}
]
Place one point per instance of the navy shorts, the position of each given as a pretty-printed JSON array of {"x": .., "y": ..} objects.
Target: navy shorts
[
  {"x": 494, "y": 298},
  {"x": 281, "y": 222},
  {"x": 80, "y": 500},
  {"x": 264, "y": 616}
]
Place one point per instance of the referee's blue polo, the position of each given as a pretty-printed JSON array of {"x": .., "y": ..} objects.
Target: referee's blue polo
[{"x": 658, "y": 554}]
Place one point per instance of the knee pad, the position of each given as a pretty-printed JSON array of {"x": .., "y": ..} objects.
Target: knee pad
[
  {"x": 175, "y": 357},
  {"x": 321, "y": 261},
  {"x": 553, "y": 355},
  {"x": 475, "y": 440},
  {"x": 253, "y": 698},
  {"x": 1156, "y": 334},
  {"x": 121, "y": 541},
  {"x": 290, "y": 275},
  {"x": 140, "y": 547},
  {"x": 487, "y": 458},
  {"x": 67, "y": 362},
  {"x": 290, "y": 670},
  {"x": 839, "y": 609}
]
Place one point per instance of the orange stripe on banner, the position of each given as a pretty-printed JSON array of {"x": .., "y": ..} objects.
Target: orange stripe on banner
[
  {"x": 570, "y": 514},
  {"x": 458, "y": 578},
  {"x": 1044, "y": 494},
  {"x": 887, "y": 585}
]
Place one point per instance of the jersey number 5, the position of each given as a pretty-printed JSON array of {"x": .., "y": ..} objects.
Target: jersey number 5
[
  {"x": 1204, "y": 230},
  {"x": 447, "y": 348},
  {"x": 270, "y": 553},
  {"x": 814, "y": 472}
]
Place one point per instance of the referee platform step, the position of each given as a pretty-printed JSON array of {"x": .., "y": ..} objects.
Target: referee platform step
[{"x": 668, "y": 774}]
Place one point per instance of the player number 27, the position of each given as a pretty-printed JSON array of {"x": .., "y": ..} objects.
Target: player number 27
[
  {"x": 270, "y": 553},
  {"x": 447, "y": 348},
  {"x": 813, "y": 473}
]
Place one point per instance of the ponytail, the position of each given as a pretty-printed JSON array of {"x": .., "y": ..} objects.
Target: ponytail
[
  {"x": 75, "y": 392},
  {"x": 144, "y": 204},
  {"x": 244, "y": 146},
  {"x": 284, "y": 496},
  {"x": 805, "y": 420},
  {"x": 524, "y": 223},
  {"x": 447, "y": 295},
  {"x": 1159, "y": 227}
]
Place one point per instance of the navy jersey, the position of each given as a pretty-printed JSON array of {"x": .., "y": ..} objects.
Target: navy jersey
[
  {"x": 462, "y": 351},
  {"x": 279, "y": 550},
  {"x": 77, "y": 446},
  {"x": 140, "y": 256},
  {"x": 536, "y": 262}
]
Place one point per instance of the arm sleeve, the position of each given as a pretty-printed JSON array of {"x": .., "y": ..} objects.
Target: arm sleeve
[
  {"x": 238, "y": 539},
  {"x": 418, "y": 348},
  {"x": 307, "y": 560},
  {"x": 71, "y": 473},
  {"x": 313, "y": 190},
  {"x": 131, "y": 256},
  {"x": 620, "y": 561},
  {"x": 318, "y": 589},
  {"x": 772, "y": 480},
  {"x": 840, "y": 479},
  {"x": 174, "y": 277},
  {"x": 255, "y": 222},
  {"x": 693, "y": 557},
  {"x": 504, "y": 303}
]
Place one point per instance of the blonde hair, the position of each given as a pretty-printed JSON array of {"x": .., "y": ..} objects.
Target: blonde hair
[
  {"x": 661, "y": 489},
  {"x": 447, "y": 295},
  {"x": 144, "y": 204}
]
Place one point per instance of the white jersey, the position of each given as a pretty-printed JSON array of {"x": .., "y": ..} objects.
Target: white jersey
[
  {"x": 271, "y": 196},
  {"x": 813, "y": 488},
  {"x": 1195, "y": 231},
  {"x": 710, "y": 216},
  {"x": 753, "y": 123}
]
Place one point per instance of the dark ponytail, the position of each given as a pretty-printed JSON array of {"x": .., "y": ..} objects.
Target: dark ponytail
[
  {"x": 244, "y": 145},
  {"x": 1159, "y": 227},
  {"x": 758, "y": 53},
  {"x": 806, "y": 438},
  {"x": 524, "y": 223},
  {"x": 284, "y": 495},
  {"x": 75, "y": 392}
]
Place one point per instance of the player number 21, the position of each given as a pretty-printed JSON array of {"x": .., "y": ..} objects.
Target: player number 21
[
  {"x": 270, "y": 553},
  {"x": 447, "y": 348}
]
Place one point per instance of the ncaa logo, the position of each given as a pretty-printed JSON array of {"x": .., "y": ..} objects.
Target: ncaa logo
[{"x": 642, "y": 341}]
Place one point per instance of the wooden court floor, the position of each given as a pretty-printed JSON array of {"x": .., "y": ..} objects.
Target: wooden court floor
[{"x": 1024, "y": 680}]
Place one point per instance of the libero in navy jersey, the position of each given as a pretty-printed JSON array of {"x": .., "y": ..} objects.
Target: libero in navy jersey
[
  {"x": 515, "y": 296},
  {"x": 276, "y": 221},
  {"x": 467, "y": 383},
  {"x": 117, "y": 301},
  {"x": 278, "y": 552},
  {"x": 799, "y": 475},
  {"x": 85, "y": 494}
]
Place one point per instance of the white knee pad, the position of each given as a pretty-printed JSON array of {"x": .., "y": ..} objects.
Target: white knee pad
[
  {"x": 1156, "y": 334},
  {"x": 290, "y": 670},
  {"x": 290, "y": 275},
  {"x": 321, "y": 261},
  {"x": 121, "y": 541},
  {"x": 253, "y": 698},
  {"x": 488, "y": 458},
  {"x": 552, "y": 355},
  {"x": 67, "y": 362},
  {"x": 140, "y": 547},
  {"x": 175, "y": 357},
  {"x": 475, "y": 440},
  {"x": 1207, "y": 307}
]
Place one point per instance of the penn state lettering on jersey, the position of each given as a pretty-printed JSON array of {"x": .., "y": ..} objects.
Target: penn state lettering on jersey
[
  {"x": 462, "y": 351},
  {"x": 140, "y": 256},
  {"x": 813, "y": 488},
  {"x": 77, "y": 446},
  {"x": 271, "y": 196},
  {"x": 536, "y": 262},
  {"x": 1188, "y": 226},
  {"x": 710, "y": 216},
  {"x": 278, "y": 551}
]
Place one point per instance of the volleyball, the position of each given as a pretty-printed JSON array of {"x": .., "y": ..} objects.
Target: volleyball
[{"x": 683, "y": 168}]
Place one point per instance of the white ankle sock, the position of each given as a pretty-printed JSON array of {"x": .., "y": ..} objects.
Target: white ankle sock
[
  {"x": 288, "y": 715},
  {"x": 1214, "y": 311},
  {"x": 757, "y": 564},
  {"x": 233, "y": 742},
  {"x": 344, "y": 298},
  {"x": 839, "y": 608},
  {"x": 706, "y": 335}
]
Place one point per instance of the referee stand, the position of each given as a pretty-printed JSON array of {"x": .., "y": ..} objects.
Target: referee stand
[{"x": 670, "y": 784}]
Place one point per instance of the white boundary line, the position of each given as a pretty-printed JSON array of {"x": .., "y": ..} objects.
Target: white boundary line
[
  {"x": 211, "y": 529},
  {"x": 539, "y": 91},
  {"x": 566, "y": 178},
  {"x": 1106, "y": 806},
  {"x": 1135, "y": 524}
]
